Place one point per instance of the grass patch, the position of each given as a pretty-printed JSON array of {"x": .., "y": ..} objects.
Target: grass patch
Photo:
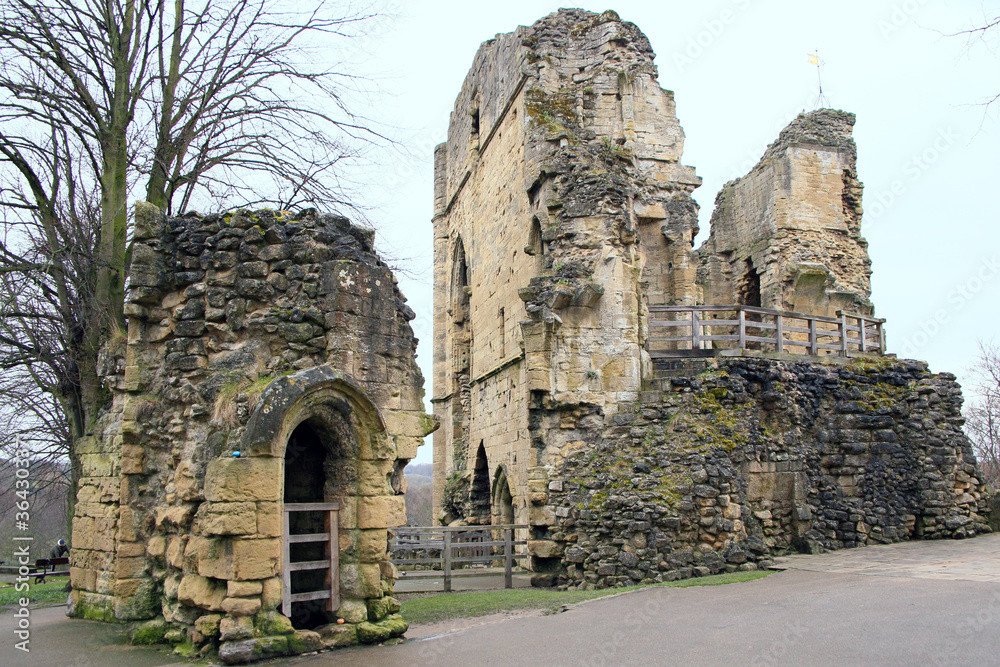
[
  {"x": 51, "y": 592},
  {"x": 446, "y": 606}
]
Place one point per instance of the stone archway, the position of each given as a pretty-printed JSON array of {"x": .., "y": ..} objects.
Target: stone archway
[
  {"x": 332, "y": 442},
  {"x": 503, "y": 499},
  {"x": 479, "y": 491}
]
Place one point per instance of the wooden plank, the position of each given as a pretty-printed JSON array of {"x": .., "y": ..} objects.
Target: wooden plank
[
  {"x": 311, "y": 507},
  {"x": 334, "y": 547},
  {"x": 861, "y": 324},
  {"x": 695, "y": 345},
  {"x": 508, "y": 562},
  {"x": 759, "y": 339},
  {"x": 308, "y": 537},
  {"x": 447, "y": 562},
  {"x": 301, "y": 565},
  {"x": 312, "y": 595},
  {"x": 286, "y": 574},
  {"x": 742, "y": 336},
  {"x": 812, "y": 338},
  {"x": 779, "y": 332}
]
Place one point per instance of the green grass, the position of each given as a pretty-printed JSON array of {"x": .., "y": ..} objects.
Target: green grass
[
  {"x": 446, "y": 606},
  {"x": 51, "y": 592}
]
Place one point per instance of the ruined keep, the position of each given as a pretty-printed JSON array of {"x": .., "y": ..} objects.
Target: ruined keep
[
  {"x": 564, "y": 235},
  {"x": 238, "y": 494}
]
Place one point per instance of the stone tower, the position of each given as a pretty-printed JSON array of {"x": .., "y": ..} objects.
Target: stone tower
[
  {"x": 559, "y": 196},
  {"x": 564, "y": 248}
]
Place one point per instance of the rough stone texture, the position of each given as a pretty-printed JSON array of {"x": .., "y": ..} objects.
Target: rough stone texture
[
  {"x": 563, "y": 214},
  {"x": 756, "y": 457},
  {"x": 562, "y": 146},
  {"x": 241, "y": 328},
  {"x": 792, "y": 226}
]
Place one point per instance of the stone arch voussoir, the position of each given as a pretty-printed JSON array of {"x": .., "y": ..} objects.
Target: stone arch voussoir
[{"x": 290, "y": 400}]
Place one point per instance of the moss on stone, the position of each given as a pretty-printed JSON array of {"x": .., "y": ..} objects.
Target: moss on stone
[
  {"x": 372, "y": 633},
  {"x": 148, "y": 632},
  {"x": 268, "y": 623}
]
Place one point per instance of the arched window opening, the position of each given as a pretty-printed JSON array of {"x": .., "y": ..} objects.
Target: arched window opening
[{"x": 479, "y": 493}]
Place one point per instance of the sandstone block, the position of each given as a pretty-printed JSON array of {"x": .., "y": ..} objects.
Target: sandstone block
[
  {"x": 353, "y": 611},
  {"x": 243, "y": 589},
  {"x": 381, "y": 512},
  {"x": 373, "y": 545},
  {"x": 304, "y": 641},
  {"x": 208, "y": 625},
  {"x": 361, "y": 580},
  {"x": 201, "y": 592},
  {"x": 270, "y": 596},
  {"x": 240, "y": 479},
  {"x": 241, "y": 606},
  {"x": 237, "y": 628}
]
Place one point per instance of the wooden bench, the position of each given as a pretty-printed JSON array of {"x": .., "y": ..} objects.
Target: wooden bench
[{"x": 45, "y": 563}]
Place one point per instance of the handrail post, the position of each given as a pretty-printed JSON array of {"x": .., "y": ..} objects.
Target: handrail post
[
  {"x": 695, "y": 333},
  {"x": 743, "y": 329},
  {"x": 813, "y": 349},
  {"x": 446, "y": 553},
  {"x": 779, "y": 333},
  {"x": 508, "y": 557},
  {"x": 843, "y": 334},
  {"x": 863, "y": 325},
  {"x": 881, "y": 337},
  {"x": 286, "y": 571}
]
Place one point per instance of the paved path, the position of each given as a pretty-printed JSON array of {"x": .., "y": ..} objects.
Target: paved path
[
  {"x": 930, "y": 603},
  {"x": 922, "y": 603},
  {"x": 57, "y": 641},
  {"x": 965, "y": 560}
]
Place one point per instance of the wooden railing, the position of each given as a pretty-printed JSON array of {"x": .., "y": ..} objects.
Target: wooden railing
[
  {"x": 442, "y": 547},
  {"x": 684, "y": 331},
  {"x": 330, "y": 591}
]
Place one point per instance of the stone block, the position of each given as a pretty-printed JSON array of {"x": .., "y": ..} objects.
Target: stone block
[
  {"x": 237, "y": 628},
  {"x": 270, "y": 523},
  {"x": 241, "y": 479},
  {"x": 201, "y": 592},
  {"x": 545, "y": 548},
  {"x": 372, "y": 545},
  {"x": 272, "y": 623},
  {"x": 353, "y": 611},
  {"x": 243, "y": 589},
  {"x": 381, "y": 512},
  {"x": 360, "y": 580},
  {"x": 236, "y": 518},
  {"x": 373, "y": 478},
  {"x": 241, "y": 606},
  {"x": 208, "y": 625},
  {"x": 270, "y": 596},
  {"x": 304, "y": 641},
  {"x": 337, "y": 635}
]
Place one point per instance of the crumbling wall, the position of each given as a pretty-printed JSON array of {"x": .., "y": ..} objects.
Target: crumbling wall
[
  {"x": 242, "y": 327},
  {"x": 722, "y": 469},
  {"x": 561, "y": 180},
  {"x": 792, "y": 226}
]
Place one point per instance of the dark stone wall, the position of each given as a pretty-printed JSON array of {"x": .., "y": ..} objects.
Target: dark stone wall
[{"x": 724, "y": 468}]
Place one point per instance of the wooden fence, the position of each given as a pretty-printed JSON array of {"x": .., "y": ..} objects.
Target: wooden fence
[
  {"x": 444, "y": 547},
  {"x": 685, "y": 331}
]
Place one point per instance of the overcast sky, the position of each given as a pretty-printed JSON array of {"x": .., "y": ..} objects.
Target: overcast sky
[{"x": 927, "y": 150}]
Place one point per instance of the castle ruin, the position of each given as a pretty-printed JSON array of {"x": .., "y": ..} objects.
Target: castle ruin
[
  {"x": 238, "y": 494},
  {"x": 652, "y": 410}
]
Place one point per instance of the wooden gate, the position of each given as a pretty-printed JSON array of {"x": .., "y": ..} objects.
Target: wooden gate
[{"x": 331, "y": 563}]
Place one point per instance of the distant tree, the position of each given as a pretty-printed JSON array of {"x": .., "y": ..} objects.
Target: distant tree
[
  {"x": 983, "y": 413},
  {"x": 177, "y": 103}
]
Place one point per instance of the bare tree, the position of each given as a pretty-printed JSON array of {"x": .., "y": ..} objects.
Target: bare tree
[
  {"x": 196, "y": 101},
  {"x": 983, "y": 414}
]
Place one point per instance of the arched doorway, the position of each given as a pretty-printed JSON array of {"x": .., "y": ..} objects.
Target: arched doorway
[
  {"x": 503, "y": 499},
  {"x": 479, "y": 492},
  {"x": 320, "y": 472}
]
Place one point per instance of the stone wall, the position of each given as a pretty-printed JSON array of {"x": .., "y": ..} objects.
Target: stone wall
[
  {"x": 792, "y": 226},
  {"x": 561, "y": 148},
  {"x": 726, "y": 463},
  {"x": 256, "y": 339}
]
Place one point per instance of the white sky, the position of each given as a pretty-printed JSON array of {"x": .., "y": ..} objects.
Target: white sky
[{"x": 927, "y": 153}]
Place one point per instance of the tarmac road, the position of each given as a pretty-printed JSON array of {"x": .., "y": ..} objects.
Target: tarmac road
[
  {"x": 789, "y": 618},
  {"x": 919, "y": 603}
]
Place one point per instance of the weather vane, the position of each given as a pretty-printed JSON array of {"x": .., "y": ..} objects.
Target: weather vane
[{"x": 821, "y": 100}]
